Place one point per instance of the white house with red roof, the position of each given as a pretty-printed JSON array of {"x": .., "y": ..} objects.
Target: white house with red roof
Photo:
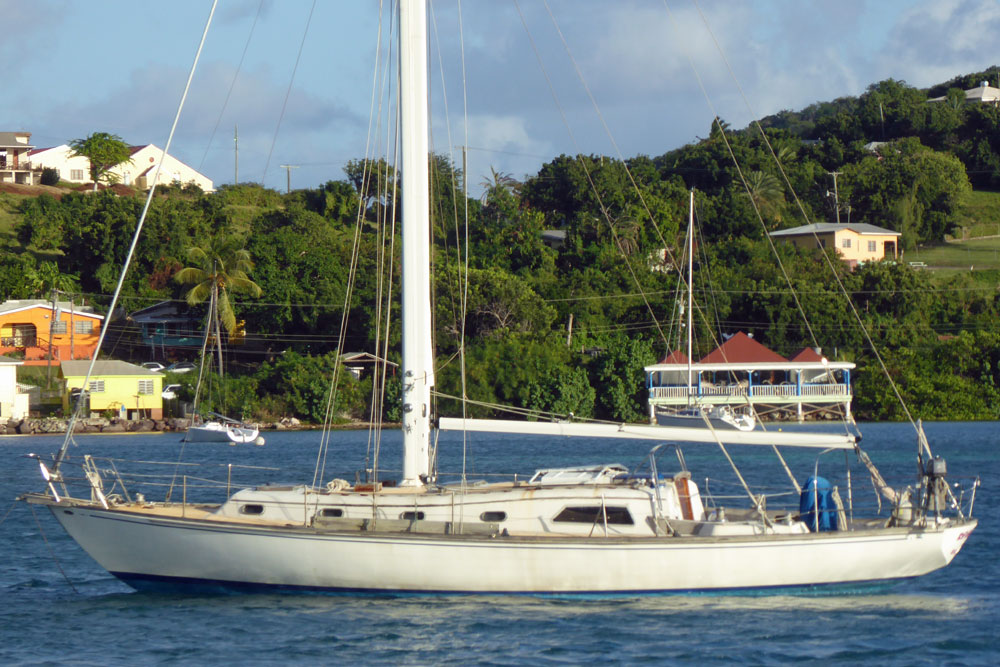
[
  {"x": 743, "y": 373},
  {"x": 138, "y": 171}
]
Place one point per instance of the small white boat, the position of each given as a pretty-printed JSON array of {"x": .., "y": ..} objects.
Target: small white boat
[
  {"x": 707, "y": 416},
  {"x": 223, "y": 429}
]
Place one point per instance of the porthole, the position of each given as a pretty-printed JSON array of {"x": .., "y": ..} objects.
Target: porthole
[
  {"x": 252, "y": 509},
  {"x": 595, "y": 515},
  {"x": 412, "y": 516},
  {"x": 493, "y": 517},
  {"x": 331, "y": 511}
]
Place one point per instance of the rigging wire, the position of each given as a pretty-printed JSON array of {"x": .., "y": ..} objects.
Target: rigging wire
[
  {"x": 805, "y": 216},
  {"x": 580, "y": 158},
  {"x": 232, "y": 85},
  {"x": 135, "y": 241},
  {"x": 288, "y": 92}
]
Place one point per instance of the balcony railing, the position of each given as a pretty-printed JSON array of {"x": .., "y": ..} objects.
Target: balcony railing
[
  {"x": 22, "y": 165},
  {"x": 18, "y": 341},
  {"x": 756, "y": 391}
]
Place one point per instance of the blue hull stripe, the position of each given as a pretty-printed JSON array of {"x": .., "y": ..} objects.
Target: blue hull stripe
[{"x": 149, "y": 583}]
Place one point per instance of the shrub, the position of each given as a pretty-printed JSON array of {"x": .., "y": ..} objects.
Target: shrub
[{"x": 50, "y": 176}]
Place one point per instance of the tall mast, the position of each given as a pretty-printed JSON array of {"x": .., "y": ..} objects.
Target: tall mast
[
  {"x": 690, "y": 282},
  {"x": 418, "y": 356}
]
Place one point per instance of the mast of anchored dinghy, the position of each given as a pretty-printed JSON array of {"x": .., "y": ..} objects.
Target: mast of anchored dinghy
[{"x": 418, "y": 356}]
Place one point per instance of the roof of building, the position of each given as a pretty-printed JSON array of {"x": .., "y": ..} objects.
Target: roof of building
[
  {"x": 9, "y": 140},
  {"x": 981, "y": 93},
  {"x": 17, "y": 305},
  {"x": 806, "y": 354},
  {"x": 741, "y": 349},
  {"x": 675, "y": 357},
  {"x": 168, "y": 311},
  {"x": 9, "y": 360},
  {"x": 38, "y": 151},
  {"x": 104, "y": 368},
  {"x": 862, "y": 228}
]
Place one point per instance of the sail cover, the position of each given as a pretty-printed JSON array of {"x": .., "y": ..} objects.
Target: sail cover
[{"x": 660, "y": 433}]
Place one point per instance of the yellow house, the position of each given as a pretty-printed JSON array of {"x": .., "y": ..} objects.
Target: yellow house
[
  {"x": 130, "y": 391},
  {"x": 856, "y": 242}
]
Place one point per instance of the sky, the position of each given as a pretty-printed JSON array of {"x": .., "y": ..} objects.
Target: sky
[{"x": 295, "y": 78}]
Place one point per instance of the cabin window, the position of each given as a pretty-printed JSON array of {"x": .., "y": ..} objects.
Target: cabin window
[
  {"x": 58, "y": 327},
  {"x": 595, "y": 514},
  {"x": 145, "y": 386},
  {"x": 845, "y": 243},
  {"x": 252, "y": 509},
  {"x": 83, "y": 326},
  {"x": 97, "y": 386},
  {"x": 412, "y": 516},
  {"x": 871, "y": 246},
  {"x": 331, "y": 511},
  {"x": 493, "y": 516}
]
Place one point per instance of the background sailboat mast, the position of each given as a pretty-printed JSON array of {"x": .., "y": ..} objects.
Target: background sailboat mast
[
  {"x": 418, "y": 357},
  {"x": 690, "y": 313}
]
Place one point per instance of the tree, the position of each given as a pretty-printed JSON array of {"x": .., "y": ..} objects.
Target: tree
[
  {"x": 222, "y": 265},
  {"x": 105, "y": 152}
]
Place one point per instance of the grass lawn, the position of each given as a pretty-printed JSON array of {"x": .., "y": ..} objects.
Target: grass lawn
[
  {"x": 9, "y": 217},
  {"x": 978, "y": 253},
  {"x": 979, "y": 216}
]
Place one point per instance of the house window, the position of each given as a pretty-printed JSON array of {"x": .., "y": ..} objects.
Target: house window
[
  {"x": 59, "y": 327},
  {"x": 845, "y": 243},
  {"x": 83, "y": 327},
  {"x": 595, "y": 515},
  {"x": 97, "y": 386},
  {"x": 145, "y": 386},
  {"x": 77, "y": 175},
  {"x": 871, "y": 246}
]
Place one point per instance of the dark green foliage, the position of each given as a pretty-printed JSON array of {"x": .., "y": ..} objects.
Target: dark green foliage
[
  {"x": 50, "y": 176},
  {"x": 510, "y": 296},
  {"x": 300, "y": 386}
]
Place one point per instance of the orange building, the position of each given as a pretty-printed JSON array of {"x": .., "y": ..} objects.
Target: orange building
[
  {"x": 855, "y": 242},
  {"x": 29, "y": 327}
]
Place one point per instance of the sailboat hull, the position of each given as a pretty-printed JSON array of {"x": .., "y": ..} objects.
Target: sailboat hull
[
  {"x": 156, "y": 553},
  {"x": 218, "y": 432}
]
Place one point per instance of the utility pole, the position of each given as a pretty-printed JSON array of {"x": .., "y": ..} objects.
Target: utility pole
[
  {"x": 465, "y": 170},
  {"x": 836, "y": 196},
  {"x": 288, "y": 170},
  {"x": 52, "y": 325},
  {"x": 236, "y": 150}
]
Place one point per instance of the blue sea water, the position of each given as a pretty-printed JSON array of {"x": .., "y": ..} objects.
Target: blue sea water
[{"x": 59, "y": 607}]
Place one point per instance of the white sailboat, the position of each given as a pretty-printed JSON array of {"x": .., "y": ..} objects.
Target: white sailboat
[
  {"x": 223, "y": 429},
  {"x": 694, "y": 415},
  {"x": 585, "y": 529}
]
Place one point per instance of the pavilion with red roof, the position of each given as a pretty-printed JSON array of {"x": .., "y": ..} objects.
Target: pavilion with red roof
[{"x": 743, "y": 373}]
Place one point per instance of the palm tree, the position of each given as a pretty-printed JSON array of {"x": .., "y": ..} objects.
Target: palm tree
[
  {"x": 766, "y": 191},
  {"x": 220, "y": 266},
  {"x": 497, "y": 181}
]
